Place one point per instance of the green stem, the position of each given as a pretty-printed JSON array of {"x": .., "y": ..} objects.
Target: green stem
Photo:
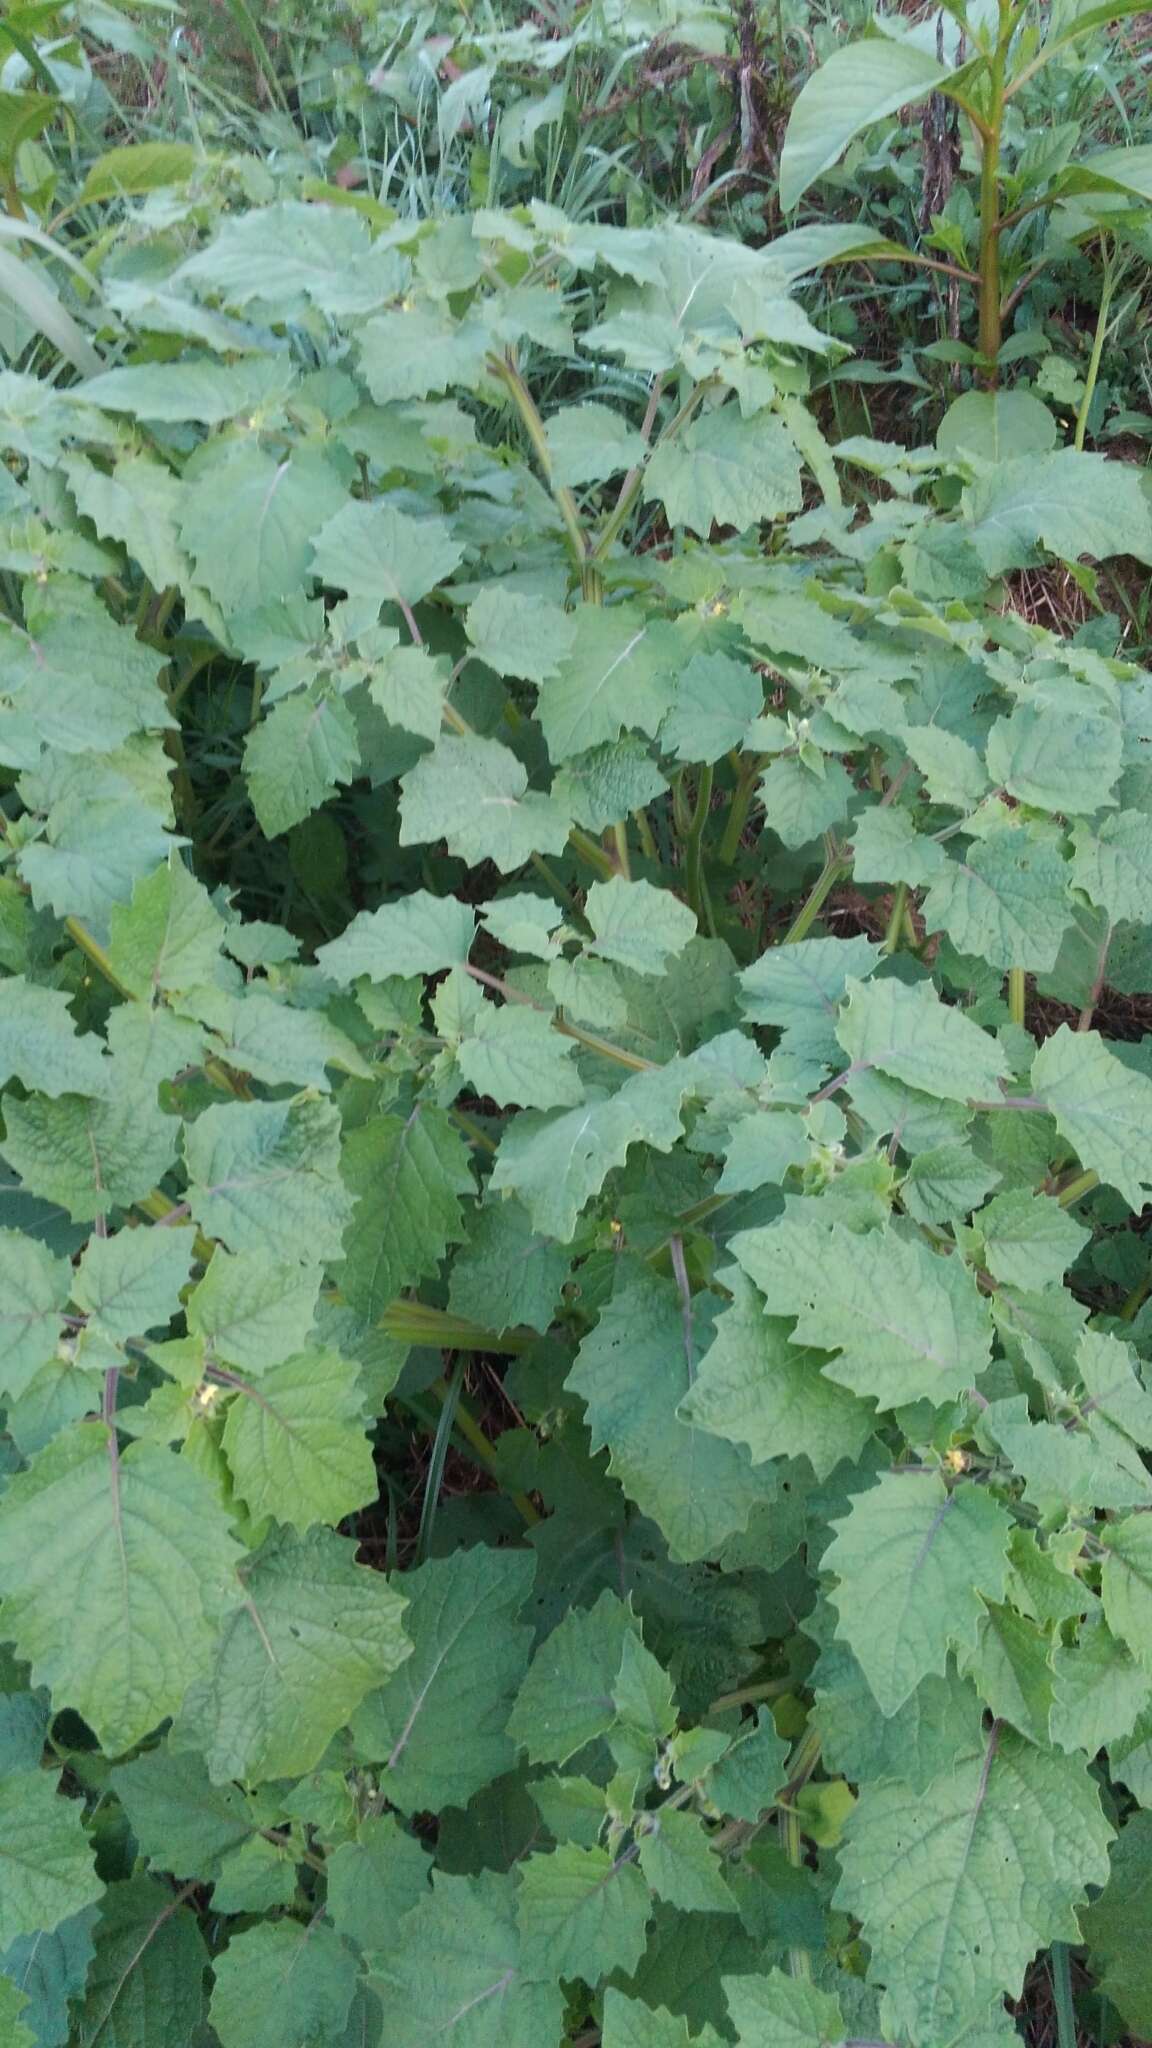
[
  {"x": 587, "y": 848},
  {"x": 435, "y": 1475},
  {"x": 739, "y": 805},
  {"x": 468, "y": 1427},
  {"x": 633, "y": 483},
  {"x": 644, "y": 832},
  {"x": 1061, "y": 1967},
  {"x": 810, "y": 910},
  {"x": 504, "y": 370},
  {"x": 1017, "y": 995},
  {"x": 413, "y": 1322},
  {"x": 1082, "y": 1185},
  {"x": 991, "y": 327},
  {"x": 622, "y": 860},
  {"x": 694, "y": 848},
  {"x": 1107, "y": 288},
  {"x": 895, "y": 931}
]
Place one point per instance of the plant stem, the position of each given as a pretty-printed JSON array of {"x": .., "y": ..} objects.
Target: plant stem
[
  {"x": 1107, "y": 287},
  {"x": 644, "y": 833},
  {"x": 449, "y": 1400},
  {"x": 1082, "y": 1185},
  {"x": 1017, "y": 994},
  {"x": 1060, "y": 1965},
  {"x": 694, "y": 848},
  {"x": 990, "y": 314},
  {"x": 583, "y": 844},
  {"x": 623, "y": 860},
  {"x": 504, "y": 369},
  {"x": 413, "y": 1322},
  {"x": 814, "y": 903},
  {"x": 465, "y": 1422},
  {"x": 895, "y": 929},
  {"x": 739, "y": 805}
]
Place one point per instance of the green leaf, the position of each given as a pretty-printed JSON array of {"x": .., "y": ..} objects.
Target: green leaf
[
  {"x": 249, "y": 519},
  {"x": 801, "y": 800},
  {"x": 409, "y": 686},
  {"x": 182, "y": 1822},
  {"x": 912, "y": 1559},
  {"x": 629, "y": 2024},
  {"x": 418, "y": 934},
  {"x": 1029, "y": 1240},
  {"x": 1116, "y": 1925},
  {"x": 147, "y": 1976},
  {"x": 632, "y": 1371},
  {"x": 519, "y": 636},
  {"x": 567, "y": 1698},
  {"x": 782, "y": 2010},
  {"x": 410, "y": 353},
  {"x": 887, "y": 848},
  {"x": 1112, "y": 864},
  {"x": 265, "y": 1176},
  {"x": 726, "y": 470},
  {"x": 473, "y": 794},
  {"x": 296, "y": 1443},
  {"x": 454, "y": 1970},
  {"x": 752, "y": 1770},
  {"x": 636, "y": 925},
  {"x": 251, "y": 1310},
  {"x": 375, "y": 1879},
  {"x": 380, "y": 553},
  {"x": 581, "y": 1914},
  {"x": 282, "y": 1986},
  {"x": 851, "y": 90},
  {"x": 130, "y": 1284},
  {"x": 1065, "y": 761},
  {"x": 1126, "y": 1583},
  {"x": 48, "y": 1970},
  {"x": 1102, "y": 1108},
  {"x": 34, "y": 1290},
  {"x": 590, "y": 443},
  {"x": 756, "y": 1387},
  {"x": 1072, "y": 504},
  {"x": 513, "y": 1055},
  {"x": 941, "y": 1720},
  {"x": 39, "y": 1043},
  {"x": 81, "y": 682},
  {"x": 797, "y": 989},
  {"x": 147, "y": 1538},
  {"x": 716, "y": 700},
  {"x": 957, "y": 1890},
  {"x": 507, "y": 1274},
  {"x": 468, "y": 1657},
  {"x": 315, "y": 1633},
  {"x": 407, "y": 1175},
  {"x": 169, "y": 937},
  {"x": 295, "y": 757},
  {"x": 555, "y": 1163},
  {"x": 620, "y": 674},
  {"x": 47, "y": 1869},
  {"x": 907, "y": 1032},
  {"x": 906, "y": 1322},
  {"x": 679, "y": 1865},
  {"x": 1012, "y": 1668},
  {"x": 289, "y": 251},
  {"x": 138, "y": 167},
  {"x": 1006, "y": 901},
  {"x": 1099, "y": 1692},
  {"x": 996, "y": 426},
  {"x": 205, "y": 393}
]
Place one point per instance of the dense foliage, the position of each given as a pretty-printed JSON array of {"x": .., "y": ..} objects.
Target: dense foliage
[{"x": 555, "y": 914}]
